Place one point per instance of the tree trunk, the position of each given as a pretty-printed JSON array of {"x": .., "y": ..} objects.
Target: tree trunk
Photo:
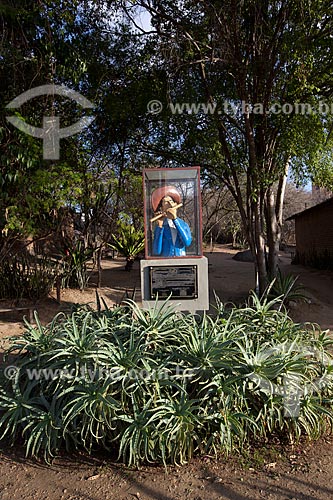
[
  {"x": 259, "y": 241},
  {"x": 274, "y": 221},
  {"x": 99, "y": 267},
  {"x": 273, "y": 235}
]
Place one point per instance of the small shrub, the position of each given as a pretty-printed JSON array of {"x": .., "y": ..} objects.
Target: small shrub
[
  {"x": 75, "y": 272},
  {"x": 27, "y": 277},
  {"x": 287, "y": 288},
  {"x": 129, "y": 242}
]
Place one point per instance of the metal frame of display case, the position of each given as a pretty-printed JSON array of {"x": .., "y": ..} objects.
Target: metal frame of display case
[{"x": 184, "y": 179}]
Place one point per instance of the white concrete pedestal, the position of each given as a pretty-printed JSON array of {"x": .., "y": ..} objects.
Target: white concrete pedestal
[{"x": 201, "y": 303}]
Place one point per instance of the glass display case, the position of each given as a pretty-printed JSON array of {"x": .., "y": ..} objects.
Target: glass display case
[{"x": 172, "y": 206}]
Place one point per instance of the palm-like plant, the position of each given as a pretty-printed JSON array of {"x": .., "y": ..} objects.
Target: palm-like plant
[
  {"x": 75, "y": 272},
  {"x": 129, "y": 242},
  {"x": 287, "y": 288}
]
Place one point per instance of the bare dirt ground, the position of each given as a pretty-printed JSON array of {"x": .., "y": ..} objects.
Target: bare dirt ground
[{"x": 302, "y": 472}]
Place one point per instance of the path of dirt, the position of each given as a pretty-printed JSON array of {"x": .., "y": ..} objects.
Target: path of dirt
[
  {"x": 296, "y": 473},
  {"x": 229, "y": 279},
  {"x": 304, "y": 473}
]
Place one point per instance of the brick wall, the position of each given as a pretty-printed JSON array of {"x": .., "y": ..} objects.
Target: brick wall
[{"x": 314, "y": 235}]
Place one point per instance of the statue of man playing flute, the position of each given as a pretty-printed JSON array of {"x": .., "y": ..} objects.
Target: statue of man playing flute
[{"x": 171, "y": 235}]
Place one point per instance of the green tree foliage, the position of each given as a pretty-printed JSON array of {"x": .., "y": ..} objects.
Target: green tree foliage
[
  {"x": 243, "y": 59},
  {"x": 61, "y": 42},
  {"x": 32, "y": 189},
  {"x": 240, "y": 58}
]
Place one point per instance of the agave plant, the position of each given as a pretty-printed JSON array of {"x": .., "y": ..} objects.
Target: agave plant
[
  {"x": 160, "y": 386},
  {"x": 287, "y": 288},
  {"x": 129, "y": 242},
  {"x": 75, "y": 272}
]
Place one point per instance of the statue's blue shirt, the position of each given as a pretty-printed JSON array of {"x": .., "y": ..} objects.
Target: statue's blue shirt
[{"x": 167, "y": 245}]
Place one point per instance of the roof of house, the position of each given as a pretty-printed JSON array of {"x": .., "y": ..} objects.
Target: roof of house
[{"x": 315, "y": 207}]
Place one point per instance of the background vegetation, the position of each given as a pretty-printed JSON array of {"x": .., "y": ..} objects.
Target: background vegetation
[{"x": 214, "y": 53}]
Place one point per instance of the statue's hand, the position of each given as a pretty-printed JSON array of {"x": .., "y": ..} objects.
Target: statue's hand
[
  {"x": 172, "y": 213},
  {"x": 160, "y": 222}
]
